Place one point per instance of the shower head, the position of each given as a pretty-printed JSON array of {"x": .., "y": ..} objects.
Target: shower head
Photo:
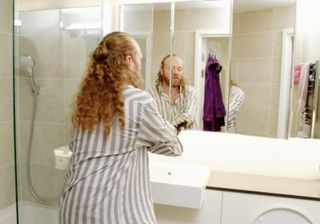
[{"x": 26, "y": 61}]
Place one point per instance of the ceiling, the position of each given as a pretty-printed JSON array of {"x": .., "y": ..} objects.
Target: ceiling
[{"x": 248, "y": 5}]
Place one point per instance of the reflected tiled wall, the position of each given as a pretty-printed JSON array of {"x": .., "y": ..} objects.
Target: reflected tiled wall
[
  {"x": 7, "y": 184},
  {"x": 256, "y": 66}
]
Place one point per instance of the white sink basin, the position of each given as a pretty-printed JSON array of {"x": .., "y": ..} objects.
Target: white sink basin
[{"x": 178, "y": 184}]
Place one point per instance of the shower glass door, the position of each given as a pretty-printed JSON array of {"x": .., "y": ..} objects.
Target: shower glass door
[{"x": 51, "y": 52}]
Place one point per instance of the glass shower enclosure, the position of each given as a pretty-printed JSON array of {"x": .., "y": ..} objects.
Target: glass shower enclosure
[{"x": 51, "y": 52}]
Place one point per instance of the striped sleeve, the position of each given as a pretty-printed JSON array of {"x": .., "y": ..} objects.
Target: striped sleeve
[
  {"x": 156, "y": 134},
  {"x": 236, "y": 100},
  {"x": 189, "y": 110}
]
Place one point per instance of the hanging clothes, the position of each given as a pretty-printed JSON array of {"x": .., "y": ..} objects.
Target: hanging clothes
[
  {"x": 305, "y": 97},
  {"x": 213, "y": 110}
]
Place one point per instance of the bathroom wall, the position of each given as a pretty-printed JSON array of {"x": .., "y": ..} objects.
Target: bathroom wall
[
  {"x": 7, "y": 183},
  {"x": 256, "y": 66},
  {"x": 60, "y": 58}
]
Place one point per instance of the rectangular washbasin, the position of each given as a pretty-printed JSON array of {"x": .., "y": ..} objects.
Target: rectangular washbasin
[{"x": 178, "y": 184}]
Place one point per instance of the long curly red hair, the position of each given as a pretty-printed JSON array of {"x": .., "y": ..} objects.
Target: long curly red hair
[{"x": 101, "y": 92}]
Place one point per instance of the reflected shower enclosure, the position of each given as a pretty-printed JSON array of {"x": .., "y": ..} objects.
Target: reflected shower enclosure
[{"x": 52, "y": 48}]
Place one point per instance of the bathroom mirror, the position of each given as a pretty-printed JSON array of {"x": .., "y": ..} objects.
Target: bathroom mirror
[{"x": 253, "y": 41}]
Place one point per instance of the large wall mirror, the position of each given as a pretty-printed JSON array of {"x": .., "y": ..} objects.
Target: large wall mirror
[{"x": 253, "y": 41}]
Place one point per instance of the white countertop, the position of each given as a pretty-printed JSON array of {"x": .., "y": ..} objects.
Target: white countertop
[{"x": 268, "y": 185}]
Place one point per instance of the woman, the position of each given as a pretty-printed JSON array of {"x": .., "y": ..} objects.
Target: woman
[{"x": 115, "y": 125}]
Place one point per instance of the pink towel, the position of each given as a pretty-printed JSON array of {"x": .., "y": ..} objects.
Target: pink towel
[
  {"x": 303, "y": 87},
  {"x": 297, "y": 74}
]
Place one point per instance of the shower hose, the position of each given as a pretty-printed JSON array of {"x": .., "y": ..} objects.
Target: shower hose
[{"x": 29, "y": 179}]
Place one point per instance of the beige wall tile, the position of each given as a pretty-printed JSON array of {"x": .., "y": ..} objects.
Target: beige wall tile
[
  {"x": 7, "y": 186},
  {"x": 46, "y": 137},
  {"x": 256, "y": 54},
  {"x": 273, "y": 124},
  {"x": 183, "y": 43},
  {"x": 6, "y": 102},
  {"x": 284, "y": 18},
  {"x": 161, "y": 20},
  {"x": 194, "y": 19},
  {"x": 6, "y": 16},
  {"x": 68, "y": 132},
  {"x": 255, "y": 45},
  {"x": 277, "y": 44},
  {"x": 46, "y": 188},
  {"x": 235, "y": 47},
  {"x": 24, "y": 99},
  {"x": 276, "y": 75},
  {"x": 257, "y": 120},
  {"x": 138, "y": 21},
  {"x": 236, "y": 24},
  {"x": 234, "y": 66},
  {"x": 275, "y": 97},
  {"x": 255, "y": 70},
  {"x": 5, "y": 55},
  {"x": 256, "y": 21},
  {"x": 75, "y": 56},
  {"x": 161, "y": 44},
  {"x": 50, "y": 102},
  {"x": 71, "y": 88},
  {"x": 6, "y": 144},
  {"x": 257, "y": 96},
  {"x": 40, "y": 38}
]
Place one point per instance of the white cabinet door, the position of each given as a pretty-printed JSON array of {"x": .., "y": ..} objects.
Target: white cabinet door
[
  {"x": 241, "y": 208},
  {"x": 209, "y": 213}
]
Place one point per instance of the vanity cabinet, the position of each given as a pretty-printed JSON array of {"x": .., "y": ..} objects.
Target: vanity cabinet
[
  {"x": 263, "y": 209},
  {"x": 209, "y": 213},
  {"x": 231, "y": 207}
]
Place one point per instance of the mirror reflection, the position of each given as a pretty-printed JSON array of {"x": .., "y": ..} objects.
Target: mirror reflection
[
  {"x": 262, "y": 39},
  {"x": 253, "y": 66},
  {"x": 187, "y": 78}
]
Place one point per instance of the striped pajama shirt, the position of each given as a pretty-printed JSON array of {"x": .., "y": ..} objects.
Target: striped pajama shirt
[
  {"x": 184, "y": 108},
  {"x": 107, "y": 181},
  {"x": 236, "y": 99}
]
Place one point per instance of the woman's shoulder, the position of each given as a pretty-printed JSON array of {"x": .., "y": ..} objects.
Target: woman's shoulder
[{"x": 136, "y": 94}]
